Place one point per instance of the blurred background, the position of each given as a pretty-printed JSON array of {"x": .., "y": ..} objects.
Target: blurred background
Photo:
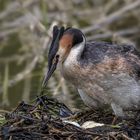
[{"x": 25, "y": 35}]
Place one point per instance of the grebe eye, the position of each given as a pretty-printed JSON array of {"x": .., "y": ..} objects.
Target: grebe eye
[{"x": 57, "y": 56}]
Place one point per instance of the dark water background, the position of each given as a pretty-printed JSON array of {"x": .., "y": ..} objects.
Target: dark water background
[{"x": 25, "y": 32}]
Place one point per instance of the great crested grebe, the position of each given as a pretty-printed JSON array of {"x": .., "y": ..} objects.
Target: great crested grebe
[{"x": 104, "y": 74}]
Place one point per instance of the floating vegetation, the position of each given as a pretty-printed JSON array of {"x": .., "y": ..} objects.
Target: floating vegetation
[{"x": 46, "y": 118}]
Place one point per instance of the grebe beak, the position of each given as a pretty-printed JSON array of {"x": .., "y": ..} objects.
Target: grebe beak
[{"x": 51, "y": 70}]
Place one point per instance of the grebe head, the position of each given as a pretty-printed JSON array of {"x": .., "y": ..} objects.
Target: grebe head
[{"x": 62, "y": 42}]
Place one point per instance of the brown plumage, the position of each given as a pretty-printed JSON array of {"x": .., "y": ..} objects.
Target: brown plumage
[{"x": 104, "y": 74}]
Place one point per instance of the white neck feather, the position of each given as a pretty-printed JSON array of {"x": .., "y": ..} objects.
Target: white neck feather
[{"x": 75, "y": 53}]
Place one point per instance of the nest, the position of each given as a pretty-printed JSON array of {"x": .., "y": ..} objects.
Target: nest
[{"x": 46, "y": 118}]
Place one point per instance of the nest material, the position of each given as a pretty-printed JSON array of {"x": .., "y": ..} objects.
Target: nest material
[{"x": 44, "y": 119}]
